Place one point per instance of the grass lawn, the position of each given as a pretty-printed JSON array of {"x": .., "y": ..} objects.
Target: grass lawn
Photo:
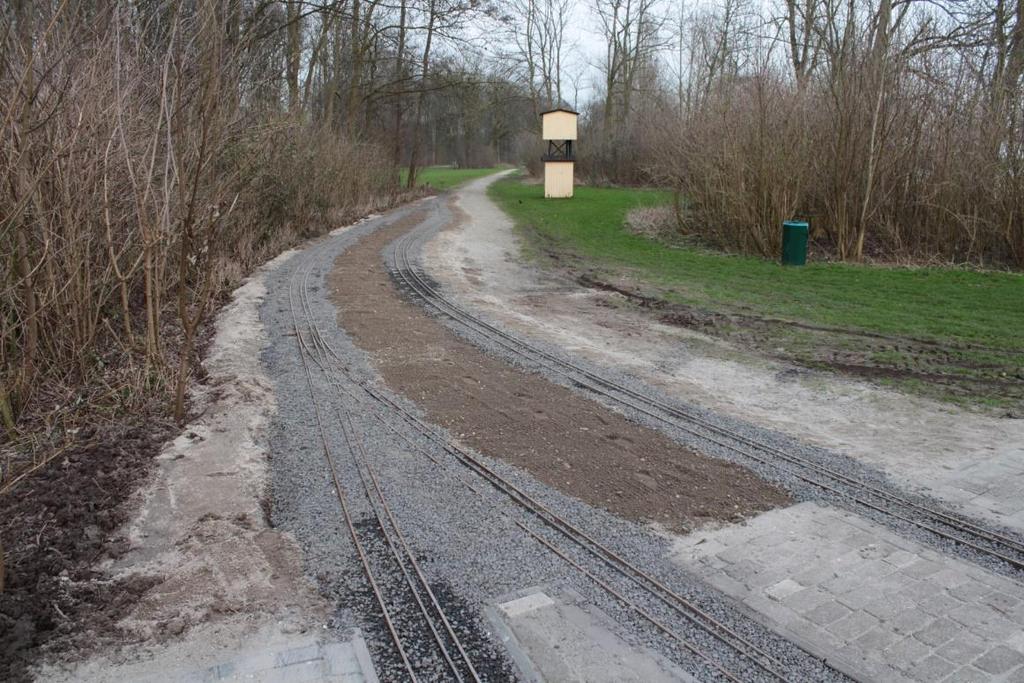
[
  {"x": 962, "y": 310},
  {"x": 446, "y": 177}
]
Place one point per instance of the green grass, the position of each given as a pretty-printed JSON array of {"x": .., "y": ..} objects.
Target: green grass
[
  {"x": 446, "y": 177},
  {"x": 959, "y": 309},
  {"x": 936, "y": 303}
]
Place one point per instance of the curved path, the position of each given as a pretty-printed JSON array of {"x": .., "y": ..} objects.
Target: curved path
[
  {"x": 361, "y": 468},
  {"x": 431, "y": 474},
  {"x": 969, "y": 460}
]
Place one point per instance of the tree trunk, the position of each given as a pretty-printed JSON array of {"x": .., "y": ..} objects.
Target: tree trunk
[
  {"x": 294, "y": 53},
  {"x": 356, "y": 38},
  {"x": 23, "y": 13},
  {"x": 421, "y": 97},
  {"x": 399, "y": 55}
]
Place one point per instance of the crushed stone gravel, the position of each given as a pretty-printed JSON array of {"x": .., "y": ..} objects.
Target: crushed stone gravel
[
  {"x": 700, "y": 438},
  {"x": 467, "y": 542}
]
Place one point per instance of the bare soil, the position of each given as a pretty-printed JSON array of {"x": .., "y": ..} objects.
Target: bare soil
[
  {"x": 64, "y": 522},
  {"x": 57, "y": 526},
  {"x": 118, "y": 549},
  {"x": 565, "y": 440}
]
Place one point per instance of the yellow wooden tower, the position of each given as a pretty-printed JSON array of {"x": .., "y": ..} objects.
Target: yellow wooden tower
[{"x": 559, "y": 129}]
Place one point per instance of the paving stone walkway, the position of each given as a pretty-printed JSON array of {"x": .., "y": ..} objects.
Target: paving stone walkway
[
  {"x": 990, "y": 488},
  {"x": 312, "y": 662},
  {"x": 878, "y": 606},
  {"x": 554, "y": 636}
]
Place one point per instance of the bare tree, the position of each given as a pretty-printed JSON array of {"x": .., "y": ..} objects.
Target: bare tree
[
  {"x": 631, "y": 30},
  {"x": 801, "y": 17},
  {"x": 294, "y": 20},
  {"x": 538, "y": 30},
  {"x": 432, "y": 9}
]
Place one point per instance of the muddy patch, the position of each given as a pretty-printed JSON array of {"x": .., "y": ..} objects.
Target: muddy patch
[{"x": 565, "y": 440}]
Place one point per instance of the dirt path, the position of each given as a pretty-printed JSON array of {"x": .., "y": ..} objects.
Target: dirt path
[
  {"x": 563, "y": 439},
  {"x": 215, "y": 576},
  {"x": 965, "y": 458}
]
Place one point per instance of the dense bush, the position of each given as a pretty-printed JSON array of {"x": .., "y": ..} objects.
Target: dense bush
[
  {"x": 144, "y": 177},
  {"x": 919, "y": 171}
]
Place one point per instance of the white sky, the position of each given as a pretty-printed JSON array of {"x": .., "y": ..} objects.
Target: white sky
[{"x": 583, "y": 52}]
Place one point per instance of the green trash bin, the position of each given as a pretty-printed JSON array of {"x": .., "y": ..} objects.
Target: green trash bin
[{"x": 794, "y": 243}]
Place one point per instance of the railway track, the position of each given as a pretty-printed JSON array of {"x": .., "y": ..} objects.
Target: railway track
[
  {"x": 895, "y": 506},
  {"x": 400, "y": 561},
  {"x": 622, "y": 580}
]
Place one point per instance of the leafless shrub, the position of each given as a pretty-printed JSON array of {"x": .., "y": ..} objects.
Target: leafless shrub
[
  {"x": 143, "y": 181},
  {"x": 742, "y": 163},
  {"x": 896, "y": 134}
]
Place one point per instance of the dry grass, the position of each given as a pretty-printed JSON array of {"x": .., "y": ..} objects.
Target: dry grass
[{"x": 654, "y": 222}]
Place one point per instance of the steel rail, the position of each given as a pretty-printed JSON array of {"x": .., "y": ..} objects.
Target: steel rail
[
  {"x": 360, "y": 460},
  {"x": 687, "y": 609},
  {"x": 423, "y": 288},
  {"x": 948, "y": 518},
  {"x": 629, "y": 604},
  {"x": 639, "y": 610},
  {"x": 343, "y": 500},
  {"x": 446, "y": 655},
  {"x": 430, "y": 295},
  {"x": 690, "y": 611}
]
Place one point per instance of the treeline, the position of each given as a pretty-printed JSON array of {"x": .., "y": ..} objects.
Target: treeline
[
  {"x": 153, "y": 153},
  {"x": 894, "y": 126}
]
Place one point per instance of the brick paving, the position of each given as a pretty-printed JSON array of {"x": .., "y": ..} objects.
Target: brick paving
[
  {"x": 313, "y": 662},
  {"x": 880, "y": 607},
  {"x": 987, "y": 487}
]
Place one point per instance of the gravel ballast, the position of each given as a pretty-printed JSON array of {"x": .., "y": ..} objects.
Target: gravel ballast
[
  {"x": 695, "y": 436},
  {"x": 467, "y": 542}
]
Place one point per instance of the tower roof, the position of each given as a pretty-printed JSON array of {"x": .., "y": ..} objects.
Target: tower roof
[{"x": 563, "y": 109}]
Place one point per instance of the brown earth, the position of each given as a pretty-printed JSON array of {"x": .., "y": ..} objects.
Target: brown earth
[
  {"x": 565, "y": 440},
  {"x": 56, "y": 526},
  {"x": 61, "y": 523}
]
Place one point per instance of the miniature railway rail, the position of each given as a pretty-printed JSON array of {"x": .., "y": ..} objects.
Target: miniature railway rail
[
  {"x": 460, "y": 666},
  {"x": 942, "y": 524},
  {"x": 601, "y": 558}
]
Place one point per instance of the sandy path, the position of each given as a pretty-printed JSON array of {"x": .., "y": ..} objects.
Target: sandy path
[
  {"x": 973, "y": 460},
  {"x": 223, "y": 579}
]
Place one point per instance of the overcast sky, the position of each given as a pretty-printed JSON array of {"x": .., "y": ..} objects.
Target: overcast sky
[
  {"x": 585, "y": 45},
  {"x": 583, "y": 53}
]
